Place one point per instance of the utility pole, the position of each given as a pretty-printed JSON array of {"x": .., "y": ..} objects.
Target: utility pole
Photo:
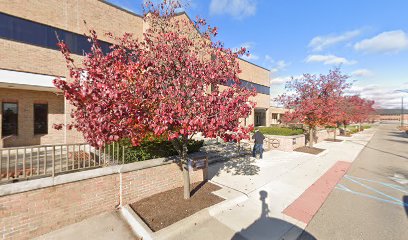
[
  {"x": 402, "y": 111},
  {"x": 402, "y": 104}
]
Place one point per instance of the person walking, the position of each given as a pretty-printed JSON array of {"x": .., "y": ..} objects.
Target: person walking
[{"x": 258, "y": 146}]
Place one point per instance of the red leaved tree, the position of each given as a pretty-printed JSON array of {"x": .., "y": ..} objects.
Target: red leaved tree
[
  {"x": 355, "y": 109},
  {"x": 313, "y": 100},
  {"x": 166, "y": 84}
]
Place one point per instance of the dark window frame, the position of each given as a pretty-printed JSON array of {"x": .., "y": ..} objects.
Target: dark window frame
[
  {"x": 2, "y": 119},
  {"x": 246, "y": 84},
  {"x": 26, "y": 31},
  {"x": 40, "y": 131}
]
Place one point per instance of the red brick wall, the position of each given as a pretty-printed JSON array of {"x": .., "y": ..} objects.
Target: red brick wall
[
  {"x": 140, "y": 184},
  {"x": 33, "y": 213}
]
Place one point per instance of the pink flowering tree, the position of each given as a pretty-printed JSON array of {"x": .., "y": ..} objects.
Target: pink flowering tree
[
  {"x": 355, "y": 109},
  {"x": 313, "y": 100},
  {"x": 167, "y": 84}
]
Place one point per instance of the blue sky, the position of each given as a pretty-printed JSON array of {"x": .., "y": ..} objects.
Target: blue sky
[{"x": 367, "y": 38}]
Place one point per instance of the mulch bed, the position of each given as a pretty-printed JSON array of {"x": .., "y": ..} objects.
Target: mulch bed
[
  {"x": 311, "y": 150},
  {"x": 333, "y": 140},
  {"x": 163, "y": 209}
]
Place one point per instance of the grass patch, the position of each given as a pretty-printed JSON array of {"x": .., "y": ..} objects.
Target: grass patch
[
  {"x": 354, "y": 128},
  {"x": 281, "y": 131}
]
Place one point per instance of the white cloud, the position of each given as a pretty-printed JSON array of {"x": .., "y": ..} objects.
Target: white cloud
[
  {"x": 235, "y": 8},
  {"x": 274, "y": 66},
  {"x": 362, "y": 73},
  {"x": 269, "y": 59},
  {"x": 282, "y": 80},
  {"x": 280, "y": 65},
  {"x": 329, "y": 60},
  {"x": 385, "y": 42},
  {"x": 319, "y": 43},
  {"x": 383, "y": 97}
]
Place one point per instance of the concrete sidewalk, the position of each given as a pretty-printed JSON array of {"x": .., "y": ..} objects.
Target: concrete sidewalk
[
  {"x": 271, "y": 185},
  {"x": 105, "y": 226}
]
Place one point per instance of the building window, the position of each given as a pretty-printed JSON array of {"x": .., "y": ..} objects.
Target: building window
[
  {"x": 9, "y": 124},
  {"x": 26, "y": 31},
  {"x": 40, "y": 118},
  {"x": 250, "y": 85},
  {"x": 260, "y": 117}
]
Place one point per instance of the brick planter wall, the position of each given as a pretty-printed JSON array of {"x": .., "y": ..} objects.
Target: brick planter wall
[
  {"x": 323, "y": 134},
  {"x": 32, "y": 208},
  {"x": 286, "y": 143}
]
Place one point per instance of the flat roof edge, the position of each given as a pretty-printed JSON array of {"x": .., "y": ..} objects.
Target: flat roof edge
[
  {"x": 120, "y": 8},
  {"x": 253, "y": 64}
]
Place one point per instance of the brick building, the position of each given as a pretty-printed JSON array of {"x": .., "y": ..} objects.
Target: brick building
[
  {"x": 391, "y": 115},
  {"x": 30, "y": 60}
]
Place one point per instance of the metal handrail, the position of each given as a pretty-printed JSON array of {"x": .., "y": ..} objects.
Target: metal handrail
[{"x": 43, "y": 145}]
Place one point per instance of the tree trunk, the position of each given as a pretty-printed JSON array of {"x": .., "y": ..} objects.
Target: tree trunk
[
  {"x": 311, "y": 136},
  {"x": 239, "y": 146},
  {"x": 345, "y": 129},
  {"x": 334, "y": 134},
  {"x": 186, "y": 173}
]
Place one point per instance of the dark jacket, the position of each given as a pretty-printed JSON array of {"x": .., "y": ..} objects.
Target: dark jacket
[{"x": 259, "y": 137}]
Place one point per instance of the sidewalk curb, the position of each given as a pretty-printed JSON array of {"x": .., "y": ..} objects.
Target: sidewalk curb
[
  {"x": 137, "y": 225},
  {"x": 325, "y": 152},
  {"x": 140, "y": 228}
]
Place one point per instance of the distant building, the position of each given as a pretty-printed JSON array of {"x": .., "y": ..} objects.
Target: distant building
[
  {"x": 390, "y": 114},
  {"x": 277, "y": 114}
]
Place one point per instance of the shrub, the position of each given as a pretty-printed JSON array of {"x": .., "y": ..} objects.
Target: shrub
[
  {"x": 353, "y": 130},
  {"x": 281, "y": 131},
  {"x": 151, "y": 148}
]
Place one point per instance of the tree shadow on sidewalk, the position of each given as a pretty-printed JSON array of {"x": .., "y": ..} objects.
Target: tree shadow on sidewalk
[
  {"x": 243, "y": 165},
  {"x": 266, "y": 227},
  {"x": 398, "y": 134}
]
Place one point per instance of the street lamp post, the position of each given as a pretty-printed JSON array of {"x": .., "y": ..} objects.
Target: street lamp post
[{"x": 402, "y": 105}]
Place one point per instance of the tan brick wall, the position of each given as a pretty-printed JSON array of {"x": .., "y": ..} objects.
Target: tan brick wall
[
  {"x": 33, "y": 213},
  {"x": 72, "y": 136},
  {"x": 286, "y": 143},
  {"x": 70, "y": 15},
  {"x": 26, "y": 100},
  {"x": 28, "y": 58},
  {"x": 253, "y": 73},
  {"x": 323, "y": 134}
]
